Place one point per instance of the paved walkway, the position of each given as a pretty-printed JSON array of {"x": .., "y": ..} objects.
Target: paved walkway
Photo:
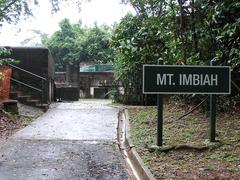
[{"x": 71, "y": 141}]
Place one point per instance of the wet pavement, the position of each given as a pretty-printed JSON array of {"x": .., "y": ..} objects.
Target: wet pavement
[{"x": 71, "y": 141}]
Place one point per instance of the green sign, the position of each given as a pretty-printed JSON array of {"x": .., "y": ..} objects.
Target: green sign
[{"x": 164, "y": 79}]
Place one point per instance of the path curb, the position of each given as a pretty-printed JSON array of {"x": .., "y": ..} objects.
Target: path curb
[{"x": 133, "y": 159}]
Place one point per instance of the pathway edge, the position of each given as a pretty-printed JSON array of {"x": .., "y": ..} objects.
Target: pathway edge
[{"x": 132, "y": 158}]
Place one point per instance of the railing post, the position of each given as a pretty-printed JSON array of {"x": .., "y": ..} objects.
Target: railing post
[{"x": 42, "y": 93}]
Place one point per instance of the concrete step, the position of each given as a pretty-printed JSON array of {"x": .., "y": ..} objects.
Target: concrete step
[
  {"x": 10, "y": 105},
  {"x": 32, "y": 102},
  {"x": 45, "y": 107},
  {"x": 24, "y": 98},
  {"x": 14, "y": 94},
  {"x": 29, "y": 100}
]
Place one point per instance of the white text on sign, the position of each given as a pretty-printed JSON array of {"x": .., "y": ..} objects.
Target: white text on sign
[{"x": 188, "y": 79}]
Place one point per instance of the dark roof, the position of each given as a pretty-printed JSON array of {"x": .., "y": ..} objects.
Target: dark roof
[{"x": 25, "y": 47}]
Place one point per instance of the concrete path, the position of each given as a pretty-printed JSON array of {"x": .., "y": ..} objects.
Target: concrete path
[{"x": 71, "y": 141}]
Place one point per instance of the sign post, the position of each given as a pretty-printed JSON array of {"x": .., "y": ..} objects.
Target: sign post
[
  {"x": 213, "y": 100},
  {"x": 165, "y": 79},
  {"x": 160, "y": 115}
]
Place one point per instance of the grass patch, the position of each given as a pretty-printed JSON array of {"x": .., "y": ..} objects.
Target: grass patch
[
  {"x": 25, "y": 121},
  {"x": 220, "y": 160}
]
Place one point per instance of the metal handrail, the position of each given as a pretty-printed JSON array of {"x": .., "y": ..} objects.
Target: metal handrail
[
  {"x": 42, "y": 79},
  {"x": 24, "y": 84},
  {"x": 27, "y": 72}
]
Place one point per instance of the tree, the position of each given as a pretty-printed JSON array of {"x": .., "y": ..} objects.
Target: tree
[
  {"x": 74, "y": 43},
  {"x": 190, "y": 32},
  {"x": 148, "y": 8},
  {"x": 225, "y": 23},
  {"x": 136, "y": 41},
  {"x": 12, "y": 11},
  {"x": 62, "y": 44},
  {"x": 94, "y": 44}
]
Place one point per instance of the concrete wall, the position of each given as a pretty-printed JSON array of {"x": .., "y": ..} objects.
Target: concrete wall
[
  {"x": 92, "y": 80},
  {"x": 38, "y": 61},
  {"x": 72, "y": 75},
  {"x": 60, "y": 77},
  {"x": 34, "y": 59},
  {"x": 88, "y": 81}
]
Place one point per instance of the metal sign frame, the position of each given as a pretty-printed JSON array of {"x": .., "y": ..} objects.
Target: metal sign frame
[
  {"x": 187, "y": 66},
  {"x": 212, "y": 98}
]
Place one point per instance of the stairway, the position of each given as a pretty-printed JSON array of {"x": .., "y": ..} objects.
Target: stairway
[
  {"x": 29, "y": 88},
  {"x": 28, "y": 100}
]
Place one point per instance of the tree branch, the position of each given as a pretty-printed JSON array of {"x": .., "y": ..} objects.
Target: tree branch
[
  {"x": 194, "y": 108},
  {"x": 9, "y": 5}
]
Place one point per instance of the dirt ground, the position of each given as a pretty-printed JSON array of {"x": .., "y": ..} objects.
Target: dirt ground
[
  {"x": 194, "y": 156},
  {"x": 10, "y": 123}
]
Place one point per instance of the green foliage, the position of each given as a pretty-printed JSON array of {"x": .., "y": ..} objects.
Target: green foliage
[
  {"x": 5, "y": 60},
  {"x": 4, "y": 57},
  {"x": 229, "y": 156},
  {"x": 12, "y": 11},
  {"x": 136, "y": 41},
  {"x": 193, "y": 131},
  {"x": 226, "y": 26},
  {"x": 74, "y": 43},
  {"x": 62, "y": 44},
  {"x": 95, "y": 44},
  {"x": 181, "y": 32}
]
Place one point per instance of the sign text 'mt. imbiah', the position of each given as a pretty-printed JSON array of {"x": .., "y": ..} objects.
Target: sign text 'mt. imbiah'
[
  {"x": 167, "y": 79},
  {"x": 188, "y": 79}
]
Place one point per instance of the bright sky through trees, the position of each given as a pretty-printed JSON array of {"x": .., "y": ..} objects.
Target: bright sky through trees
[{"x": 26, "y": 32}]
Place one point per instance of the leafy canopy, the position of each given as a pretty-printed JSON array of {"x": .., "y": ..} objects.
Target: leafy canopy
[
  {"x": 74, "y": 43},
  {"x": 179, "y": 31}
]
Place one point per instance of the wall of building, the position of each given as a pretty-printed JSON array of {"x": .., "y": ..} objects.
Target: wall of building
[
  {"x": 38, "y": 61},
  {"x": 34, "y": 59},
  {"x": 88, "y": 81},
  {"x": 92, "y": 80}
]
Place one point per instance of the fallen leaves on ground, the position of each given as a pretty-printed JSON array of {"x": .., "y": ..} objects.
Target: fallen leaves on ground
[
  {"x": 10, "y": 123},
  {"x": 221, "y": 160}
]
